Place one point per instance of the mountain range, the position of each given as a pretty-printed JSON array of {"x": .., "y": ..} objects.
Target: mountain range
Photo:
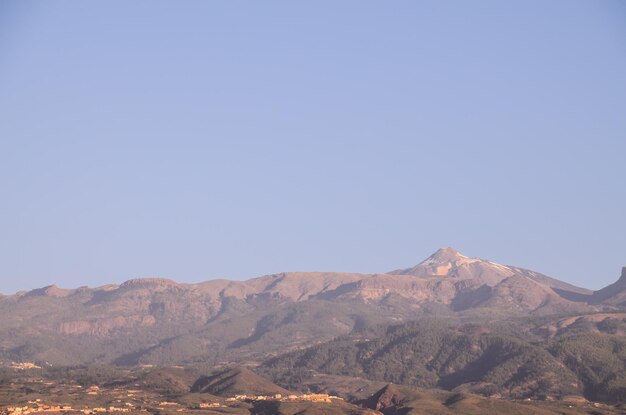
[{"x": 456, "y": 320}]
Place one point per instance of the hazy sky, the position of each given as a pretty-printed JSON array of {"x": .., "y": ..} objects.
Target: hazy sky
[{"x": 202, "y": 139}]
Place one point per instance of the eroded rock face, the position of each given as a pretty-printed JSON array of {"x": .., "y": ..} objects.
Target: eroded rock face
[
  {"x": 612, "y": 294},
  {"x": 105, "y": 326},
  {"x": 154, "y": 284},
  {"x": 387, "y": 397}
]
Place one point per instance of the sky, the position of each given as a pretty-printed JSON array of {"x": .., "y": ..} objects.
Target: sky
[{"x": 198, "y": 140}]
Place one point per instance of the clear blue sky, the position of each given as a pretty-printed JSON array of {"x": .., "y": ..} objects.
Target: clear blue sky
[{"x": 201, "y": 139}]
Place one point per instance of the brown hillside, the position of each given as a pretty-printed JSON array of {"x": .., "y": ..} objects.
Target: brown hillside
[{"x": 236, "y": 381}]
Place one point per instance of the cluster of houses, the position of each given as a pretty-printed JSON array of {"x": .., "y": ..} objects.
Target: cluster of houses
[
  {"x": 24, "y": 366},
  {"x": 36, "y": 406},
  {"x": 39, "y": 407},
  {"x": 308, "y": 397},
  {"x": 211, "y": 405}
]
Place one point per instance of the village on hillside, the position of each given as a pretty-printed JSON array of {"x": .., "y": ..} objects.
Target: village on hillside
[{"x": 49, "y": 397}]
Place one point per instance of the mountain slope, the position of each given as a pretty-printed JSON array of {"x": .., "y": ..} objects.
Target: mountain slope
[
  {"x": 236, "y": 381},
  {"x": 438, "y": 353},
  {"x": 538, "y": 358},
  {"x": 159, "y": 321}
]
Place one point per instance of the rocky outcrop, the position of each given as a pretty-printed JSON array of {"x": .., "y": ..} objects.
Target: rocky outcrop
[
  {"x": 612, "y": 294},
  {"x": 105, "y": 326},
  {"x": 390, "y": 396}
]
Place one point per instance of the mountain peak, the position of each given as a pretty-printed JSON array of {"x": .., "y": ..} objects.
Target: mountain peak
[
  {"x": 49, "y": 291},
  {"x": 448, "y": 262},
  {"x": 443, "y": 255}
]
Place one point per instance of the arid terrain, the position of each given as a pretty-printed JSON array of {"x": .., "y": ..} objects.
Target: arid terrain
[
  {"x": 169, "y": 391},
  {"x": 452, "y": 334}
]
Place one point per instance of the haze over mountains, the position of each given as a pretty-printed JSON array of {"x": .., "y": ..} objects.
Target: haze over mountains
[{"x": 450, "y": 322}]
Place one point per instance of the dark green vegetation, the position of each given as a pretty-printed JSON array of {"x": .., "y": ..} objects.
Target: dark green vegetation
[
  {"x": 599, "y": 361},
  {"x": 502, "y": 359}
]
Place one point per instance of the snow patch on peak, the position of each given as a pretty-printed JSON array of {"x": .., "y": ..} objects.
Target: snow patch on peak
[
  {"x": 446, "y": 256},
  {"x": 500, "y": 266}
]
